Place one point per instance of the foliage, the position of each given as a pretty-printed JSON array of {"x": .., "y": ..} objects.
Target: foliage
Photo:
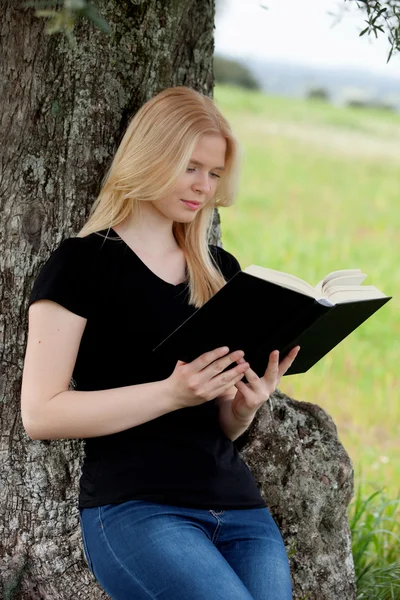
[
  {"x": 379, "y": 104},
  {"x": 375, "y": 529},
  {"x": 228, "y": 71},
  {"x": 382, "y": 17},
  {"x": 318, "y": 93},
  {"x": 64, "y": 20}
]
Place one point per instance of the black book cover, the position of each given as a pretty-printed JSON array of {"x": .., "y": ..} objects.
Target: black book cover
[{"x": 257, "y": 316}]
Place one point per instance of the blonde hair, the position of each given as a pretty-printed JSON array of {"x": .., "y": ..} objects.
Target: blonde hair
[{"x": 154, "y": 152}]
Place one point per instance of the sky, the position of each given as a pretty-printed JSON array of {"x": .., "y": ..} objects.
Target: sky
[{"x": 301, "y": 31}]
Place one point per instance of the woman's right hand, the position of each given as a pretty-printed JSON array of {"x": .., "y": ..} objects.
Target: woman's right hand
[{"x": 202, "y": 379}]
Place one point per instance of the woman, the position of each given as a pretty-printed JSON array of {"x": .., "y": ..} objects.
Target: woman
[{"x": 167, "y": 508}]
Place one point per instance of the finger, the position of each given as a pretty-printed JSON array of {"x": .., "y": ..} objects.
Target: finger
[
  {"x": 288, "y": 360},
  {"x": 242, "y": 387},
  {"x": 272, "y": 369},
  {"x": 226, "y": 387},
  {"x": 220, "y": 364},
  {"x": 254, "y": 381},
  {"x": 248, "y": 395},
  {"x": 228, "y": 377},
  {"x": 202, "y": 361}
]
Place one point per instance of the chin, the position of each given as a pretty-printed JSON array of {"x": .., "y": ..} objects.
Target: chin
[{"x": 188, "y": 219}]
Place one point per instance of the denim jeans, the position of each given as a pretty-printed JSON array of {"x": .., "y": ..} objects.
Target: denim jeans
[{"x": 141, "y": 550}]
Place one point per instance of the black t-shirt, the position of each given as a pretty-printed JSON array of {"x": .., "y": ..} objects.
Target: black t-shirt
[{"x": 181, "y": 458}]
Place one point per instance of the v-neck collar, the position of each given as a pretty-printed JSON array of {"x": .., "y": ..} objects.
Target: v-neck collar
[{"x": 146, "y": 267}]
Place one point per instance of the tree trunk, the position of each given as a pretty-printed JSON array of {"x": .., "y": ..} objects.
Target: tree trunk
[{"x": 63, "y": 115}]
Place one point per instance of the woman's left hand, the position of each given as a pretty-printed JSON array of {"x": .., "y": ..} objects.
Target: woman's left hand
[{"x": 250, "y": 396}]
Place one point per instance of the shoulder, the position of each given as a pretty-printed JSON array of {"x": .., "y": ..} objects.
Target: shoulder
[
  {"x": 63, "y": 254},
  {"x": 66, "y": 275},
  {"x": 81, "y": 249},
  {"x": 226, "y": 261},
  {"x": 70, "y": 253},
  {"x": 81, "y": 254}
]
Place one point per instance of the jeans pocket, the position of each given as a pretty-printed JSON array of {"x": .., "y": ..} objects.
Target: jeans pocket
[{"x": 85, "y": 548}]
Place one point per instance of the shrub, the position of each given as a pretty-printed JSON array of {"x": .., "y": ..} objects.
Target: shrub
[
  {"x": 375, "y": 529},
  {"x": 232, "y": 72}
]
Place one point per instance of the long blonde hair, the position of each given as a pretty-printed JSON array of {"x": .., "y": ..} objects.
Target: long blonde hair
[{"x": 154, "y": 152}]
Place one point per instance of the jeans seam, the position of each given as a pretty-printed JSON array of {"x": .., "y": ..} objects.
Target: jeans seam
[
  {"x": 218, "y": 529},
  {"x": 85, "y": 548},
  {"x": 120, "y": 563}
]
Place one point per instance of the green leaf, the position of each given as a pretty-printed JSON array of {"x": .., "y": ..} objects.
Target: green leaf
[
  {"x": 92, "y": 13},
  {"x": 390, "y": 55}
]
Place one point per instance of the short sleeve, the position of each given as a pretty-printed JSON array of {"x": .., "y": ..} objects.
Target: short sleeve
[
  {"x": 228, "y": 264},
  {"x": 64, "y": 278}
]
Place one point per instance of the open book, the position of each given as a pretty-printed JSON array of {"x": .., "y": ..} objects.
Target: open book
[
  {"x": 260, "y": 310},
  {"x": 336, "y": 287}
]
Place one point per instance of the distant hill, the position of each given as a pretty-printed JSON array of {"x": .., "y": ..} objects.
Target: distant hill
[{"x": 341, "y": 84}]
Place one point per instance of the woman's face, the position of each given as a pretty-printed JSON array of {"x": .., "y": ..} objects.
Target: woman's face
[{"x": 199, "y": 183}]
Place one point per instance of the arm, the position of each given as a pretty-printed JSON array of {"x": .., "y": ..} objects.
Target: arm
[
  {"x": 232, "y": 426},
  {"x": 50, "y": 410},
  {"x": 73, "y": 414}
]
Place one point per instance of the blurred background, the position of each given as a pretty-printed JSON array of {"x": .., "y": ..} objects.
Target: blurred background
[
  {"x": 316, "y": 108},
  {"x": 297, "y": 49}
]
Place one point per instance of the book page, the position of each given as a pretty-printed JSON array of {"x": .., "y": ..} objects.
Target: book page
[
  {"x": 344, "y": 280},
  {"x": 336, "y": 287},
  {"x": 285, "y": 279},
  {"x": 338, "y": 294},
  {"x": 335, "y": 275}
]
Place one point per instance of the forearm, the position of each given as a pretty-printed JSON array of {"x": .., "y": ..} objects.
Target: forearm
[{"x": 75, "y": 414}]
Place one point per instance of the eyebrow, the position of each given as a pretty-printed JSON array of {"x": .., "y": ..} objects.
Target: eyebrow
[{"x": 196, "y": 162}]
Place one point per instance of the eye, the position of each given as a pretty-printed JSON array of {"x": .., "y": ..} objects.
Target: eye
[{"x": 191, "y": 169}]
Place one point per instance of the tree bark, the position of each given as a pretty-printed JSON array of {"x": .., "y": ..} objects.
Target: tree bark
[
  {"x": 63, "y": 115},
  {"x": 306, "y": 477}
]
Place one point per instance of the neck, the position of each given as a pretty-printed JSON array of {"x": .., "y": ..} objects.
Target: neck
[{"x": 152, "y": 232}]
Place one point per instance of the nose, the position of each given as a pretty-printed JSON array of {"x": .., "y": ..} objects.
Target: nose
[{"x": 202, "y": 183}]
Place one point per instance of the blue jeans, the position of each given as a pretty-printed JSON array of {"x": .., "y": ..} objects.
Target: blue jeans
[{"x": 141, "y": 550}]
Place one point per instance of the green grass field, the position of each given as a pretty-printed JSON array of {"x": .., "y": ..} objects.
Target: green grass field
[{"x": 320, "y": 191}]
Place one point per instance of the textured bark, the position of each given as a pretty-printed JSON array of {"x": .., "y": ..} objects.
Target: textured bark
[
  {"x": 63, "y": 115},
  {"x": 306, "y": 478}
]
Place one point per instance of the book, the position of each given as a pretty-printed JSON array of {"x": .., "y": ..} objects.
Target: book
[{"x": 260, "y": 310}]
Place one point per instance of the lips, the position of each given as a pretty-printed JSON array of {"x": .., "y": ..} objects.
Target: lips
[{"x": 191, "y": 205}]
